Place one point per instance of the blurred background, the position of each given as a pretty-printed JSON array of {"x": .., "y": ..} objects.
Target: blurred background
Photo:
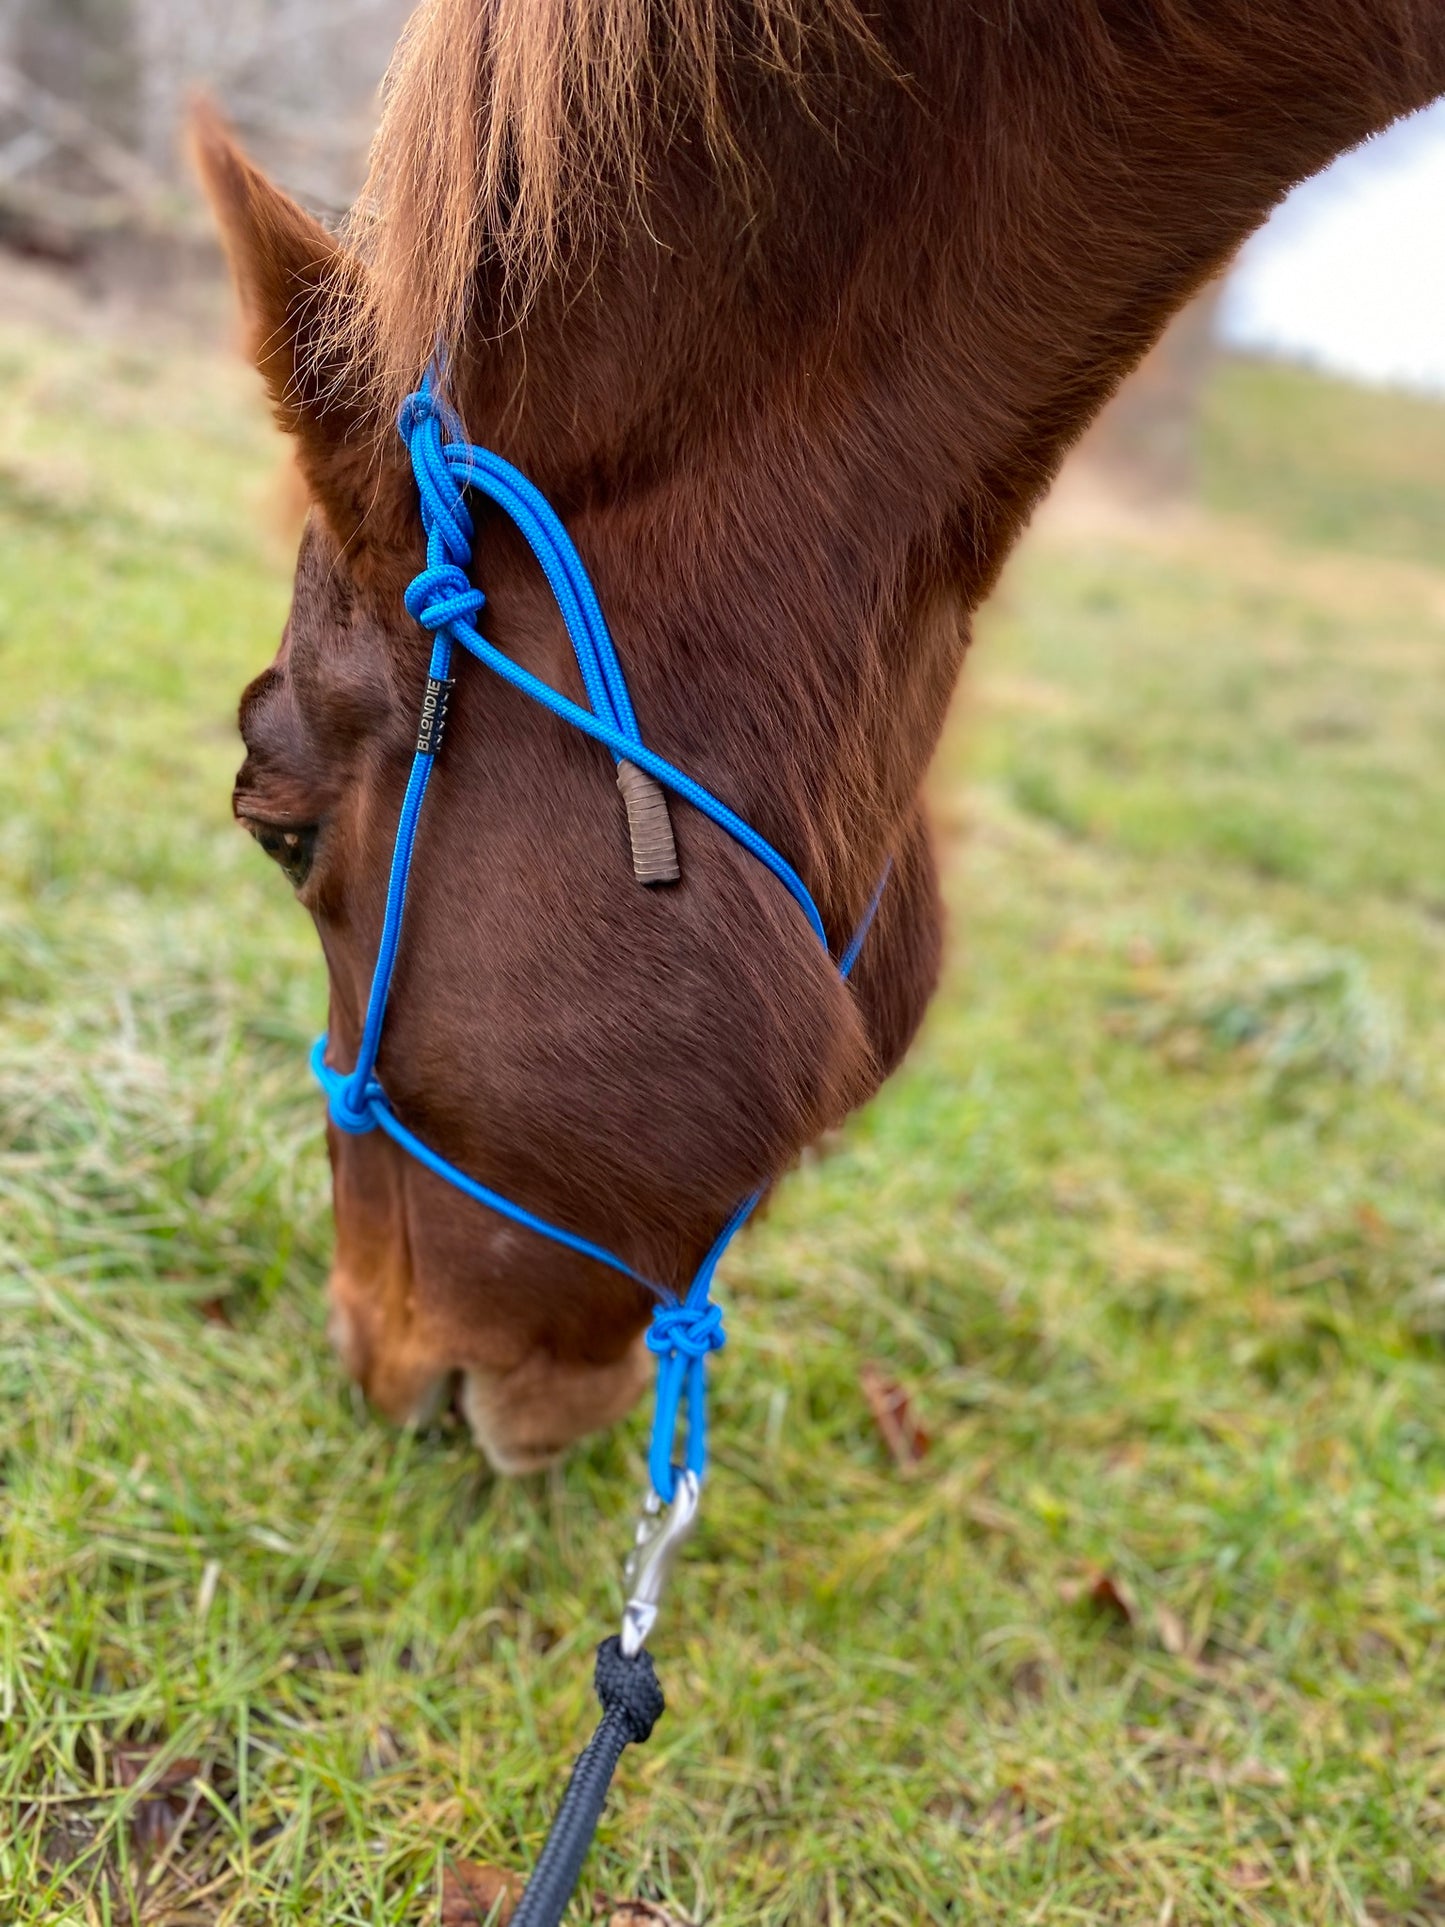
[
  {"x": 93, "y": 91},
  {"x": 1349, "y": 276},
  {"x": 1075, "y": 1545},
  {"x": 92, "y": 178}
]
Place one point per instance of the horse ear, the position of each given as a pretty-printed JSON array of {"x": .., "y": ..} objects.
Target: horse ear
[{"x": 294, "y": 280}]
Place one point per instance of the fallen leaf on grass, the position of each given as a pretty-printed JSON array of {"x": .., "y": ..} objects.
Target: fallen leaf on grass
[
  {"x": 476, "y": 1895},
  {"x": 170, "y": 1794},
  {"x": 1104, "y": 1592},
  {"x": 134, "y": 1764},
  {"x": 894, "y": 1416},
  {"x": 642, "y": 1913},
  {"x": 1250, "y": 1876}
]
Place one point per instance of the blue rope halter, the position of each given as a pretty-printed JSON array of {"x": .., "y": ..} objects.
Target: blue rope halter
[{"x": 442, "y": 599}]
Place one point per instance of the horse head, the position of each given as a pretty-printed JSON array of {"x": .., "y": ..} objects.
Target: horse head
[
  {"x": 626, "y": 1062},
  {"x": 791, "y": 311}
]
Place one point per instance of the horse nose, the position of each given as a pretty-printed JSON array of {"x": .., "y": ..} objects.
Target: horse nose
[
  {"x": 526, "y": 1418},
  {"x": 406, "y": 1380}
]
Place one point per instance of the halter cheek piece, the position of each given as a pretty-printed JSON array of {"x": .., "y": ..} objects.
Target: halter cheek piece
[{"x": 683, "y": 1331}]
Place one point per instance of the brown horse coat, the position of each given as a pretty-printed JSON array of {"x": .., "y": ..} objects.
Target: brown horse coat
[{"x": 793, "y": 326}]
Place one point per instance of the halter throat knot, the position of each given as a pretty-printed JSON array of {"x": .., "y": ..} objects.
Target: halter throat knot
[{"x": 686, "y": 1331}]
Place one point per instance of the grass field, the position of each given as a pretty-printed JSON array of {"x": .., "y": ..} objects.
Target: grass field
[{"x": 1151, "y": 1229}]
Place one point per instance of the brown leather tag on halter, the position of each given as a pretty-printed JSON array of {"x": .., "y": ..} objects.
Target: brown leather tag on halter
[{"x": 654, "y": 848}]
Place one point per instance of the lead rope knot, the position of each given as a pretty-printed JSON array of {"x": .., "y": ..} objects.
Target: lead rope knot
[
  {"x": 629, "y": 1688},
  {"x": 687, "y": 1331},
  {"x": 632, "y": 1704}
]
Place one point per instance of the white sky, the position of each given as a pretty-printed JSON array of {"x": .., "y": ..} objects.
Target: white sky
[{"x": 1350, "y": 272}]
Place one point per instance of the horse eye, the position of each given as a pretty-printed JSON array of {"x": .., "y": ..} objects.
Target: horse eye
[{"x": 293, "y": 845}]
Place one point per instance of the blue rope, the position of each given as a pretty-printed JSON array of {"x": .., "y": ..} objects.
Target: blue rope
[
  {"x": 682, "y": 1335},
  {"x": 442, "y": 599}
]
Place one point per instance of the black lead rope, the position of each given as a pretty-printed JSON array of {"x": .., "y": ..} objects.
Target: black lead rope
[
  {"x": 443, "y": 599},
  {"x": 632, "y": 1704}
]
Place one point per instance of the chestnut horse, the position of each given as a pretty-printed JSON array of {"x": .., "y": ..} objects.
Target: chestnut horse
[{"x": 792, "y": 309}]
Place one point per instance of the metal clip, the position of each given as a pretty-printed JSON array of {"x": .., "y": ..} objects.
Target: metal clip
[{"x": 660, "y": 1537}]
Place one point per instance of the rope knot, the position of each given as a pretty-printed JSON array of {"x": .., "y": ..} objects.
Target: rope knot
[
  {"x": 416, "y": 411},
  {"x": 687, "y": 1331},
  {"x": 353, "y": 1112},
  {"x": 442, "y": 594},
  {"x": 629, "y": 1687},
  {"x": 425, "y": 422}
]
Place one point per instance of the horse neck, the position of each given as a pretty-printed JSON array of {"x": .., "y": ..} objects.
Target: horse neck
[{"x": 797, "y": 449}]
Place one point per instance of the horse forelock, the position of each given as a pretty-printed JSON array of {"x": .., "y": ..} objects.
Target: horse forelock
[{"x": 516, "y": 132}]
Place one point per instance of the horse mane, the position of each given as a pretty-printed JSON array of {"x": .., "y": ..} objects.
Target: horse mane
[{"x": 515, "y": 132}]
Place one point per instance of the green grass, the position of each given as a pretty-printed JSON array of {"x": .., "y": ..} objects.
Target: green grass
[
  {"x": 1321, "y": 462},
  {"x": 1151, "y": 1228}
]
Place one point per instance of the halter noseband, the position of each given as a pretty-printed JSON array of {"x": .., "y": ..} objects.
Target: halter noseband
[{"x": 443, "y": 600}]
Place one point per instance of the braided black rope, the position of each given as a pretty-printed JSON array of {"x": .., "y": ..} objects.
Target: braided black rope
[{"x": 632, "y": 1704}]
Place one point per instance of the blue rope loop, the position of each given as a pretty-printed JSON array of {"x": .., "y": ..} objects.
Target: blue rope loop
[
  {"x": 680, "y": 1339},
  {"x": 442, "y": 599},
  {"x": 352, "y": 1111}
]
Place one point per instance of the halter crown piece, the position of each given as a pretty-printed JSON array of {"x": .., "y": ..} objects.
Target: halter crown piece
[{"x": 443, "y": 600}]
